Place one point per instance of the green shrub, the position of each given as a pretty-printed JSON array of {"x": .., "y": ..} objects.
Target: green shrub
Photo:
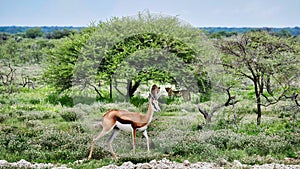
[
  {"x": 172, "y": 108},
  {"x": 3, "y": 117},
  {"x": 71, "y": 114},
  {"x": 66, "y": 101},
  {"x": 138, "y": 101},
  {"x": 250, "y": 129},
  {"x": 261, "y": 144},
  {"x": 45, "y": 144},
  {"x": 56, "y": 99},
  {"x": 35, "y": 115},
  {"x": 52, "y": 99},
  {"x": 264, "y": 145},
  {"x": 222, "y": 139},
  {"x": 34, "y": 101},
  {"x": 235, "y": 154},
  {"x": 201, "y": 150},
  {"x": 3, "y": 100}
]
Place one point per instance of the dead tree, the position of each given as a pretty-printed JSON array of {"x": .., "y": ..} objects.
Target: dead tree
[
  {"x": 209, "y": 114},
  {"x": 8, "y": 80},
  {"x": 27, "y": 82}
]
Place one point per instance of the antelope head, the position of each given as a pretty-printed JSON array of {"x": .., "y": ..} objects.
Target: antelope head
[{"x": 154, "y": 102}]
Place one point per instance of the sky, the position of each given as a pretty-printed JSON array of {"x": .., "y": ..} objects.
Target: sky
[{"x": 200, "y": 13}]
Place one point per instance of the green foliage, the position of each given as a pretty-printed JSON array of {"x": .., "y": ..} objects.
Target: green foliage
[
  {"x": 137, "y": 50},
  {"x": 191, "y": 148},
  {"x": 43, "y": 144},
  {"x": 222, "y": 34},
  {"x": 234, "y": 146},
  {"x": 34, "y": 33},
  {"x": 3, "y": 117},
  {"x": 70, "y": 114},
  {"x": 34, "y": 101},
  {"x": 52, "y": 98},
  {"x": 65, "y": 55},
  {"x": 138, "y": 101},
  {"x": 141, "y": 49},
  {"x": 34, "y": 115},
  {"x": 24, "y": 50},
  {"x": 58, "y": 34},
  {"x": 37, "y": 133},
  {"x": 258, "y": 56},
  {"x": 66, "y": 100},
  {"x": 56, "y": 98}
]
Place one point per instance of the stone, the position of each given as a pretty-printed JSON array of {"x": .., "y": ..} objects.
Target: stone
[
  {"x": 237, "y": 163},
  {"x": 186, "y": 163}
]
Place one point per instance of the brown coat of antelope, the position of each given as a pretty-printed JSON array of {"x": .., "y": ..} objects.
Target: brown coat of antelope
[
  {"x": 184, "y": 93},
  {"x": 117, "y": 120}
]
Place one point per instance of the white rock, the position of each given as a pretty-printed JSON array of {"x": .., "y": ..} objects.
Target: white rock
[
  {"x": 78, "y": 161},
  {"x": 23, "y": 164},
  {"x": 143, "y": 166},
  {"x": 153, "y": 162},
  {"x": 127, "y": 165},
  {"x": 4, "y": 163},
  {"x": 223, "y": 162},
  {"x": 186, "y": 163},
  {"x": 112, "y": 166},
  {"x": 62, "y": 167},
  {"x": 237, "y": 163}
]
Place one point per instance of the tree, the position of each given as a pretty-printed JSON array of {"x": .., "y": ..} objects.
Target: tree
[
  {"x": 209, "y": 114},
  {"x": 62, "y": 59},
  {"x": 34, "y": 33},
  {"x": 271, "y": 63},
  {"x": 24, "y": 50},
  {"x": 121, "y": 48},
  {"x": 58, "y": 34}
]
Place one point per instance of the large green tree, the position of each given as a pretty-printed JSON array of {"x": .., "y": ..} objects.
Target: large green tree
[
  {"x": 118, "y": 42},
  {"x": 34, "y": 32},
  {"x": 61, "y": 60},
  {"x": 271, "y": 63}
]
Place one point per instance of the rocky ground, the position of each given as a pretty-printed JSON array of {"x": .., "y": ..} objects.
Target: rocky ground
[{"x": 161, "y": 164}]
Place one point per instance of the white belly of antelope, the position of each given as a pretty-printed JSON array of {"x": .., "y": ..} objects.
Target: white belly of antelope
[{"x": 124, "y": 127}]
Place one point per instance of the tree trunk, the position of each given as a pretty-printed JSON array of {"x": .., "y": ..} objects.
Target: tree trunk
[
  {"x": 258, "y": 102},
  {"x": 258, "y": 120},
  {"x": 110, "y": 88},
  {"x": 131, "y": 88}
]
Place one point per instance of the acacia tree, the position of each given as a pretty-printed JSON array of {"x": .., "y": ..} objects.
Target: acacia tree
[
  {"x": 271, "y": 63},
  {"x": 116, "y": 41},
  {"x": 62, "y": 58}
]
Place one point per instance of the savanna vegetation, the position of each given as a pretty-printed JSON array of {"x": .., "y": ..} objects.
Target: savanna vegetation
[{"x": 244, "y": 90}]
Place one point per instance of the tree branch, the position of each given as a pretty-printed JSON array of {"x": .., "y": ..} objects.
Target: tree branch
[
  {"x": 203, "y": 112},
  {"x": 96, "y": 89}
]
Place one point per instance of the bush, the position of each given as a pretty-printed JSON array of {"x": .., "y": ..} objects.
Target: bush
[
  {"x": 34, "y": 115},
  {"x": 138, "y": 101},
  {"x": 261, "y": 144},
  {"x": 3, "y": 117},
  {"x": 199, "y": 150},
  {"x": 71, "y": 114},
  {"x": 64, "y": 100},
  {"x": 45, "y": 144},
  {"x": 52, "y": 99},
  {"x": 34, "y": 101}
]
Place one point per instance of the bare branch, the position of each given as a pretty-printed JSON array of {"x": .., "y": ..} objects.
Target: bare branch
[
  {"x": 205, "y": 114},
  {"x": 96, "y": 89}
]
